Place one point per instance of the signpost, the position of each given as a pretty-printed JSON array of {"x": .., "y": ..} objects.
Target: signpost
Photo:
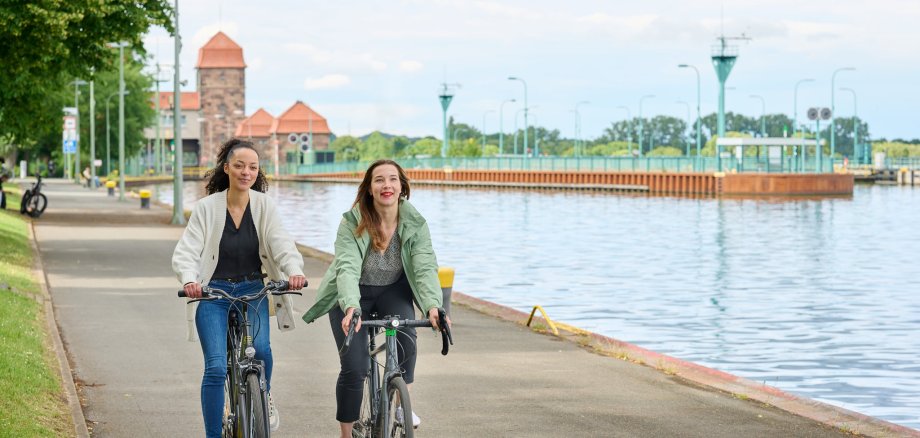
[{"x": 69, "y": 137}]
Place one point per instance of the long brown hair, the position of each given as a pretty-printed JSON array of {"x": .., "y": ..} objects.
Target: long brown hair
[
  {"x": 370, "y": 218},
  {"x": 217, "y": 178}
]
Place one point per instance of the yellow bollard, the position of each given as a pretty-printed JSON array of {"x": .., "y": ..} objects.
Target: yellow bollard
[
  {"x": 446, "y": 276},
  {"x": 145, "y": 199},
  {"x": 110, "y": 186}
]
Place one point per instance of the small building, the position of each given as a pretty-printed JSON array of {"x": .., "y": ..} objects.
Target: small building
[
  {"x": 300, "y": 119},
  {"x": 257, "y": 129},
  {"x": 190, "y": 130}
]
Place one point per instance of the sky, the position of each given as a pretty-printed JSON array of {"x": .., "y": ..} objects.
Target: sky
[{"x": 380, "y": 65}]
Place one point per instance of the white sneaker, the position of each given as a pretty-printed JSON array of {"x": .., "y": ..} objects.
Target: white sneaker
[
  {"x": 416, "y": 421},
  {"x": 274, "y": 420}
]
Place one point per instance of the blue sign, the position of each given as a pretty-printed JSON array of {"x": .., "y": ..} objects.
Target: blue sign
[{"x": 70, "y": 146}]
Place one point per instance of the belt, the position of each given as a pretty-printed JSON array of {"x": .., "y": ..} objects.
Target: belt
[{"x": 242, "y": 278}]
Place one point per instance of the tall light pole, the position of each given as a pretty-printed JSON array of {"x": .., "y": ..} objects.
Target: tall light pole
[
  {"x": 687, "y": 143},
  {"x": 628, "y": 129},
  {"x": 833, "y": 130},
  {"x": 647, "y": 96},
  {"x": 855, "y": 123},
  {"x": 76, "y": 104},
  {"x": 513, "y": 78},
  {"x": 795, "y": 105},
  {"x": 763, "y": 114},
  {"x": 121, "y": 118},
  {"x": 484, "y": 131},
  {"x": 108, "y": 154},
  {"x": 501, "y": 126},
  {"x": 178, "y": 217},
  {"x": 92, "y": 132},
  {"x": 699, "y": 120}
]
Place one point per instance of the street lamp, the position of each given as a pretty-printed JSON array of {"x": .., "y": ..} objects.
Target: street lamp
[
  {"x": 647, "y": 96},
  {"x": 108, "y": 154},
  {"x": 501, "y": 126},
  {"x": 855, "y": 126},
  {"x": 687, "y": 143},
  {"x": 698, "y": 119},
  {"x": 513, "y": 78},
  {"x": 795, "y": 105},
  {"x": 76, "y": 100},
  {"x": 484, "y": 131},
  {"x": 833, "y": 129},
  {"x": 628, "y": 130},
  {"x": 578, "y": 126}
]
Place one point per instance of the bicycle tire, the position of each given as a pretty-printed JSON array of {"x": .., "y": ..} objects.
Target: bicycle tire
[
  {"x": 37, "y": 205},
  {"x": 24, "y": 201},
  {"x": 397, "y": 396},
  {"x": 256, "y": 408},
  {"x": 364, "y": 427}
]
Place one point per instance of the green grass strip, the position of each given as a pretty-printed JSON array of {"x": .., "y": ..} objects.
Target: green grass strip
[{"x": 32, "y": 401}]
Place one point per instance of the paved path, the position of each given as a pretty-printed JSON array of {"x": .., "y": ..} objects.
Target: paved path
[{"x": 108, "y": 266}]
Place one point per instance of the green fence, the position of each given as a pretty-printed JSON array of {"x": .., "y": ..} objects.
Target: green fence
[{"x": 581, "y": 164}]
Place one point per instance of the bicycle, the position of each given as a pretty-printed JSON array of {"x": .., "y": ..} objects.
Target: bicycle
[
  {"x": 378, "y": 416},
  {"x": 33, "y": 200},
  {"x": 245, "y": 394}
]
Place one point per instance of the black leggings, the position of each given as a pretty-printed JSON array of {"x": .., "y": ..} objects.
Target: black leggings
[{"x": 395, "y": 299}]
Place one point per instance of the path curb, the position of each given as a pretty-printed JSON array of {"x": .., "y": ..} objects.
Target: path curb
[{"x": 70, "y": 389}]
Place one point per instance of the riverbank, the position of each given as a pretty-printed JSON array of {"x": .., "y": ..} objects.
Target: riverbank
[{"x": 32, "y": 399}]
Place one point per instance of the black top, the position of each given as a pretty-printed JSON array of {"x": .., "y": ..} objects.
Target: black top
[{"x": 239, "y": 248}]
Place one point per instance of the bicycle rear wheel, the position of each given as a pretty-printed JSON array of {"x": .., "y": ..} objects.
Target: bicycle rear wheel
[
  {"x": 364, "y": 427},
  {"x": 37, "y": 204},
  {"x": 256, "y": 407},
  {"x": 24, "y": 201},
  {"x": 392, "y": 425}
]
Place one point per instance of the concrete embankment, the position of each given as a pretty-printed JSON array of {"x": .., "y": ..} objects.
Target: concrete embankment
[{"x": 108, "y": 270}]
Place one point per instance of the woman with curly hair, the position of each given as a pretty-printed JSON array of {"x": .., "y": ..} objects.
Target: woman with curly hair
[{"x": 232, "y": 237}]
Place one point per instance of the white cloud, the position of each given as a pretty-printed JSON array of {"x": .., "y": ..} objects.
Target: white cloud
[
  {"x": 410, "y": 66},
  {"x": 327, "y": 82}
]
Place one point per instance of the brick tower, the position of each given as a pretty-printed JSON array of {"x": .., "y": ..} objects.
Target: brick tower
[{"x": 222, "y": 89}]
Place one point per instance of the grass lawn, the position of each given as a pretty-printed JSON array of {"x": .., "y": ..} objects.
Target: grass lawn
[{"x": 32, "y": 402}]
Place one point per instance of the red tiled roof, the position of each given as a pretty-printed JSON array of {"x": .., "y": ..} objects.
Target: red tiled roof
[
  {"x": 220, "y": 52},
  {"x": 297, "y": 119},
  {"x": 190, "y": 100},
  {"x": 256, "y": 125}
]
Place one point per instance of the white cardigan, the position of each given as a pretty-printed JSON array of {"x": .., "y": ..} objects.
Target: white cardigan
[{"x": 195, "y": 257}]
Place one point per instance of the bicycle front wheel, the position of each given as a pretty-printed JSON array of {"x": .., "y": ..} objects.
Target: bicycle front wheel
[
  {"x": 256, "y": 408},
  {"x": 397, "y": 420},
  {"x": 24, "y": 201}
]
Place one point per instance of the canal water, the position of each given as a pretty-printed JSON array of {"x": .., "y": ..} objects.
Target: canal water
[{"x": 818, "y": 297}]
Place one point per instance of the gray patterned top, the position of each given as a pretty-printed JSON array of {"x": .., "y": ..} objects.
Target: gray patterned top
[{"x": 383, "y": 269}]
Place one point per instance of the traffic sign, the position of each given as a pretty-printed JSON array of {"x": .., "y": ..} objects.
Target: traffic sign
[{"x": 70, "y": 146}]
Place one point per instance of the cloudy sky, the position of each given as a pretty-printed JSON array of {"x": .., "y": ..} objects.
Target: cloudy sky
[{"x": 378, "y": 65}]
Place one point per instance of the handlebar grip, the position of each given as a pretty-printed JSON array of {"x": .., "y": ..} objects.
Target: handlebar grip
[
  {"x": 182, "y": 294},
  {"x": 351, "y": 328}
]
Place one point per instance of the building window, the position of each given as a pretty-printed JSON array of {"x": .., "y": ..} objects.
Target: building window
[{"x": 167, "y": 120}]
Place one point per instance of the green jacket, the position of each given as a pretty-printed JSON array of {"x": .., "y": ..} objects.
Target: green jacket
[{"x": 340, "y": 284}]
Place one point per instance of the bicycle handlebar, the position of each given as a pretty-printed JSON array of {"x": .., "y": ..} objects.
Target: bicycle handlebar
[
  {"x": 446, "y": 338},
  {"x": 279, "y": 287}
]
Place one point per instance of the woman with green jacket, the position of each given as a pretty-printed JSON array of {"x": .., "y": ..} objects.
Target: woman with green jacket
[{"x": 383, "y": 262}]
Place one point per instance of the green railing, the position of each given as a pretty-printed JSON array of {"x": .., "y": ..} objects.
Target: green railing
[
  {"x": 581, "y": 164},
  {"x": 897, "y": 163}
]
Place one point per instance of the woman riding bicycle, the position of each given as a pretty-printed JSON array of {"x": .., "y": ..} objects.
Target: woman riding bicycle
[
  {"x": 383, "y": 260},
  {"x": 232, "y": 235}
]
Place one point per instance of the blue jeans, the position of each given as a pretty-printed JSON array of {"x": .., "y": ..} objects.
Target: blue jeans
[{"x": 211, "y": 321}]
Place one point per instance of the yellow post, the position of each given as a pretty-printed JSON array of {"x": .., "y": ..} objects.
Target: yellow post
[
  {"x": 110, "y": 186},
  {"x": 446, "y": 276},
  {"x": 145, "y": 199}
]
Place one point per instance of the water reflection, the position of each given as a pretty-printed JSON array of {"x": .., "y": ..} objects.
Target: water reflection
[{"x": 814, "y": 296}]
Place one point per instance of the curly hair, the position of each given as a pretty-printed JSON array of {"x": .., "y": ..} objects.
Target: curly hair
[
  {"x": 217, "y": 178},
  {"x": 370, "y": 218}
]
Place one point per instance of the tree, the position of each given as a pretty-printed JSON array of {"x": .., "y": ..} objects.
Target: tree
[
  {"x": 375, "y": 147},
  {"x": 45, "y": 44},
  {"x": 347, "y": 148},
  {"x": 428, "y": 146}
]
